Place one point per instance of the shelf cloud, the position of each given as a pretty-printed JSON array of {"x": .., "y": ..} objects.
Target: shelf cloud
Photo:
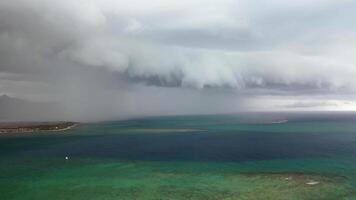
[{"x": 106, "y": 59}]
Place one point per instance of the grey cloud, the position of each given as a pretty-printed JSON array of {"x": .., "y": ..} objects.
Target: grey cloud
[{"x": 118, "y": 58}]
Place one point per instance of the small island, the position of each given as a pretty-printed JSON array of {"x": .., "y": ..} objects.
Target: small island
[{"x": 30, "y": 127}]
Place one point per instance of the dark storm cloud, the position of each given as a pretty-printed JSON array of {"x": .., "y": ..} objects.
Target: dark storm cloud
[{"x": 109, "y": 58}]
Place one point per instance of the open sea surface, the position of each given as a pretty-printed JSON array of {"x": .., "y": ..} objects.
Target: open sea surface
[{"x": 242, "y": 156}]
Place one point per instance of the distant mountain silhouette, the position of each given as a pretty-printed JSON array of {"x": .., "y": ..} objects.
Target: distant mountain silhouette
[{"x": 14, "y": 109}]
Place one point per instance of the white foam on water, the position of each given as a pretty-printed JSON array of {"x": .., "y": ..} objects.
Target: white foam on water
[{"x": 312, "y": 182}]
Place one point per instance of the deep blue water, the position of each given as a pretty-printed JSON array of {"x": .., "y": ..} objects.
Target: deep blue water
[{"x": 221, "y": 139}]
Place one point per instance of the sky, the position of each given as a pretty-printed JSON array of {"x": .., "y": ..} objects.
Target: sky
[{"x": 109, "y": 59}]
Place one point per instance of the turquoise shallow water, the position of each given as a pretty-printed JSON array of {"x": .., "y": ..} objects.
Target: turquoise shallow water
[{"x": 246, "y": 156}]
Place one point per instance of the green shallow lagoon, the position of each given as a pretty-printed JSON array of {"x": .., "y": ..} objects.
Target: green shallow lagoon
[
  {"x": 86, "y": 179},
  {"x": 236, "y": 159}
]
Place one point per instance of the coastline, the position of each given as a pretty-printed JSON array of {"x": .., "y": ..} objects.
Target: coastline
[
  {"x": 66, "y": 128},
  {"x": 24, "y": 128}
]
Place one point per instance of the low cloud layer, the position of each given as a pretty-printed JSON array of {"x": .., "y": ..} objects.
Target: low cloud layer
[{"x": 116, "y": 59}]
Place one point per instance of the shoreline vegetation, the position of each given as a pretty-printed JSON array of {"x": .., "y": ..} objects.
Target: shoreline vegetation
[{"x": 9, "y": 128}]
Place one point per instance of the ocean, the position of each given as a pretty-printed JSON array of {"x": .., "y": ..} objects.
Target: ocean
[{"x": 236, "y": 156}]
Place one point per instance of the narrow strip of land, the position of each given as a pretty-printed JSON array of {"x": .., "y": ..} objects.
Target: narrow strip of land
[{"x": 30, "y": 127}]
